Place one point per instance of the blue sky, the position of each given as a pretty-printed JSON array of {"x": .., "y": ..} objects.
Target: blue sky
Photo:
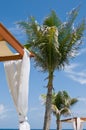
[{"x": 72, "y": 78}]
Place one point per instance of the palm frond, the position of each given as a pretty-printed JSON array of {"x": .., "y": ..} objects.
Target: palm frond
[
  {"x": 70, "y": 43},
  {"x": 73, "y": 101},
  {"x": 65, "y": 111},
  {"x": 52, "y": 20},
  {"x": 43, "y": 98},
  {"x": 54, "y": 43},
  {"x": 55, "y": 110},
  {"x": 72, "y": 16}
]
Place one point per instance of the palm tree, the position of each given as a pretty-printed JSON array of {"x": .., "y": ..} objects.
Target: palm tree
[
  {"x": 54, "y": 43},
  {"x": 61, "y": 104}
]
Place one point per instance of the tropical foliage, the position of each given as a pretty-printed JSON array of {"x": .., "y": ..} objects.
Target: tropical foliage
[
  {"x": 54, "y": 43},
  {"x": 61, "y": 105}
]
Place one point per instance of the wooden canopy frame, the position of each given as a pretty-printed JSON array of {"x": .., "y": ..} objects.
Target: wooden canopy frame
[
  {"x": 5, "y": 35},
  {"x": 70, "y": 120},
  {"x": 75, "y": 118}
]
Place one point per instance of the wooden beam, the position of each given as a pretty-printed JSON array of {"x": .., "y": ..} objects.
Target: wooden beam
[
  {"x": 10, "y": 39},
  {"x": 32, "y": 55},
  {"x": 8, "y": 58},
  {"x": 7, "y": 36},
  {"x": 83, "y": 118},
  {"x": 1, "y": 38},
  {"x": 68, "y": 119},
  {"x": 75, "y": 118}
]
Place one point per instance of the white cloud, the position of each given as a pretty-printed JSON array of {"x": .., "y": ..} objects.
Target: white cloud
[
  {"x": 82, "y": 51},
  {"x": 2, "y": 108},
  {"x": 4, "y": 111},
  {"x": 82, "y": 99},
  {"x": 78, "y": 76},
  {"x": 69, "y": 68},
  {"x": 78, "y": 53},
  {"x": 80, "y": 79}
]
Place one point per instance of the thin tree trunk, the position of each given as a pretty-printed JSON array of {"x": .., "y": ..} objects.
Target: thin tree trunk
[
  {"x": 59, "y": 127},
  {"x": 47, "y": 118}
]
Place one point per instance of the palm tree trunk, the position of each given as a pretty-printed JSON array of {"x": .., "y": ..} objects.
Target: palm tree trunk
[
  {"x": 47, "y": 118},
  {"x": 59, "y": 127}
]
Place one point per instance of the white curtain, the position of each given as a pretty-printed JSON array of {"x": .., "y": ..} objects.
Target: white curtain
[
  {"x": 77, "y": 125},
  {"x": 17, "y": 74},
  {"x": 74, "y": 124}
]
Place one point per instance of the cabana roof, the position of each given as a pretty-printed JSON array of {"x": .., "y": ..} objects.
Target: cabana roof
[
  {"x": 7, "y": 40},
  {"x": 76, "y": 121},
  {"x": 69, "y": 120}
]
